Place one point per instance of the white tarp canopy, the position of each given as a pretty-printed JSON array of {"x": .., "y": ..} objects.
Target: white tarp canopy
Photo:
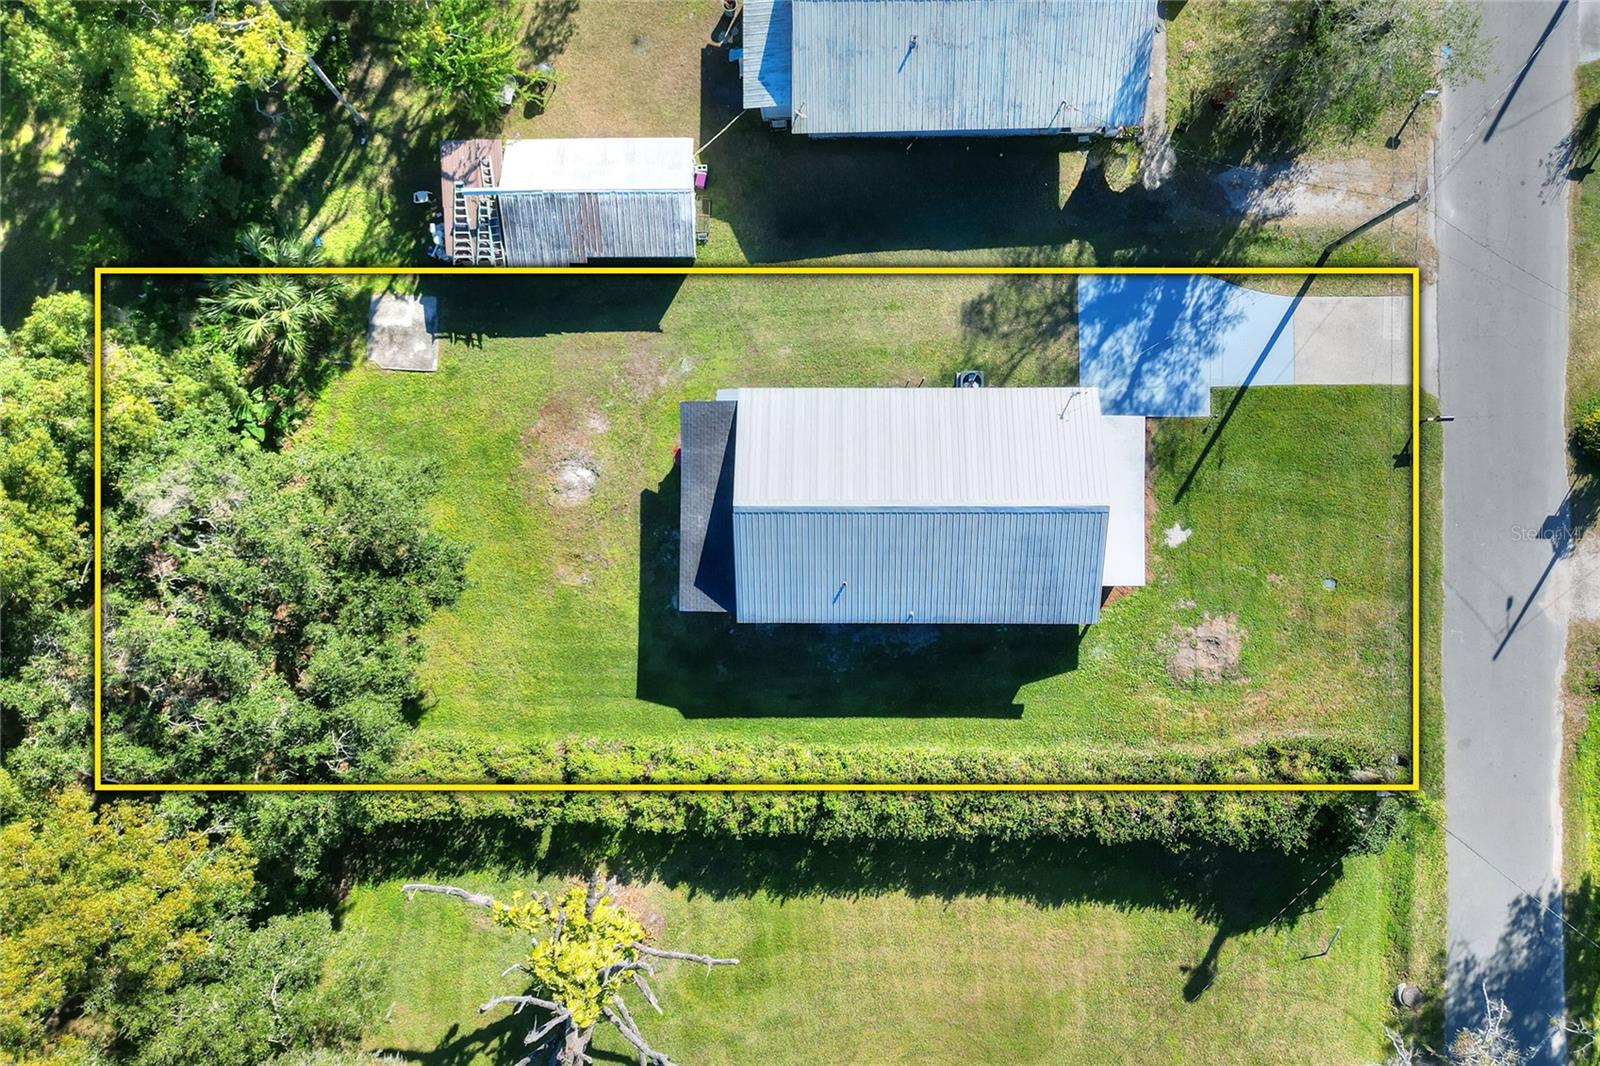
[{"x": 598, "y": 164}]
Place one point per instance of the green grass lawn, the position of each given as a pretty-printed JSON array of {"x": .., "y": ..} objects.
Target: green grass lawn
[
  {"x": 1583, "y": 361},
  {"x": 1582, "y": 821},
  {"x": 1582, "y": 777},
  {"x": 944, "y": 953},
  {"x": 568, "y": 626}
]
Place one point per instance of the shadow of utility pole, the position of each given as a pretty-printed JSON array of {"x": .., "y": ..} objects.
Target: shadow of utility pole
[{"x": 1283, "y": 323}]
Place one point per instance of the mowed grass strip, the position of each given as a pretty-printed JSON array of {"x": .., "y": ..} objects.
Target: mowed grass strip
[
  {"x": 569, "y": 627},
  {"x": 891, "y": 955}
]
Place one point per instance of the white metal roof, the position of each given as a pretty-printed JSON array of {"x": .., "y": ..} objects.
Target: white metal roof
[
  {"x": 1125, "y": 467},
  {"x": 919, "y": 448},
  {"x": 598, "y": 164}
]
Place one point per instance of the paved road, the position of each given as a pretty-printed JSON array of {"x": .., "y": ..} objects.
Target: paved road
[{"x": 1502, "y": 342}]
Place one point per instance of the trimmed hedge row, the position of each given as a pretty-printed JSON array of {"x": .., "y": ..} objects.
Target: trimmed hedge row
[
  {"x": 470, "y": 757},
  {"x": 1286, "y": 822}
]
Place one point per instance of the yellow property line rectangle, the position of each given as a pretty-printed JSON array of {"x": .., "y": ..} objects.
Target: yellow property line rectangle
[{"x": 1410, "y": 273}]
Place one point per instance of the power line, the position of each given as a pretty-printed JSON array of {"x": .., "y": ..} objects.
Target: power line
[{"x": 1536, "y": 897}]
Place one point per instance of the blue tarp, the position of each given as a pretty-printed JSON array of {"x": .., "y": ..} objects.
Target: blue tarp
[{"x": 1156, "y": 345}]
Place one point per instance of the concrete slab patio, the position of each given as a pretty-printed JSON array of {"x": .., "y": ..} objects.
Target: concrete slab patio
[
  {"x": 1352, "y": 340},
  {"x": 403, "y": 332}
]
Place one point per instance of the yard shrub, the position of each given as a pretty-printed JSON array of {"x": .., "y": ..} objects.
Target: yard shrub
[
  {"x": 1586, "y": 432},
  {"x": 462, "y": 49},
  {"x": 449, "y": 756}
]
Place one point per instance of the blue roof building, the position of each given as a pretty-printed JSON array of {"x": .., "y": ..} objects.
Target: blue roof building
[
  {"x": 978, "y": 506},
  {"x": 947, "y": 67}
]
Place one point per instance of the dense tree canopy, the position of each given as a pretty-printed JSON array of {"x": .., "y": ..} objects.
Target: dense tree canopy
[
  {"x": 260, "y": 617},
  {"x": 124, "y": 935},
  {"x": 258, "y": 606},
  {"x": 464, "y": 49},
  {"x": 259, "y": 993},
  {"x": 1297, "y": 72},
  {"x": 45, "y": 459},
  {"x": 99, "y": 910},
  {"x": 163, "y": 100}
]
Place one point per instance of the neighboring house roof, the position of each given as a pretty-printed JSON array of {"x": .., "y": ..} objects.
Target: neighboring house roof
[
  {"x": 568, "y": 201},
  {"x": 982, "y": 506},
  {"x": 949, "y": 66},
  {"x": 553, "y": 229}
]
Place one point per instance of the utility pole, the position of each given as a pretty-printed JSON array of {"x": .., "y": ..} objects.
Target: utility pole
[{"x": 316, "y": 68}]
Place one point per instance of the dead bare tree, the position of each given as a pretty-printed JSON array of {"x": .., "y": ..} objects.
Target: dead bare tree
[{"x": 573, "y": 997}]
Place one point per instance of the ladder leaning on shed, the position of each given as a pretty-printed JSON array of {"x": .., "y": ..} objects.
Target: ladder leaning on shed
[{"x": 460, "y": 227}]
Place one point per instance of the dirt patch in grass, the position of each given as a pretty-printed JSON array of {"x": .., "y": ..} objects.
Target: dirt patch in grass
[
  {"x": 559, "y": 451},
  {"x": 1208, "y": 651},
  {"x": 639, "y": 902},
  {"x": 561, "y": 472},
  {"x": 574, "y": 481},
  {"x": 645, "y": 370}
]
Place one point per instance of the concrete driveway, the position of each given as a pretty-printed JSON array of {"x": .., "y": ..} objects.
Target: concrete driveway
[{"x": 1156, "y": 345}]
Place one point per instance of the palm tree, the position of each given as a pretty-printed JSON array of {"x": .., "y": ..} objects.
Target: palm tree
[
  {"x": 274, "y": 322},
  {"x": 278, "y": 326}
]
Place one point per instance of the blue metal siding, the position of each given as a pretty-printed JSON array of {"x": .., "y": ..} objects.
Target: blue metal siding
[
  {"x": 976, "y": 65},
  {"x": 764, "y": 65},
  {"x": 988, "y": 567}
]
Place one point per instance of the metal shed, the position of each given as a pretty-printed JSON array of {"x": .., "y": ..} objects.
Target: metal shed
[
  {"x": 948, "y": 67},
  {"x": 980, "y": 506},
  {"x": 560, "y": 201}
]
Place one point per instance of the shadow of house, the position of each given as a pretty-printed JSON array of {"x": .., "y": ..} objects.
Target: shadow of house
[
  {"x": 705, "y": 665},
  {"x": 789, "y": 197}
]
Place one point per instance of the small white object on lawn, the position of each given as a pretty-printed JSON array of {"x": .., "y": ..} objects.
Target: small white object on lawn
[{"x": 1176, "y": 534}]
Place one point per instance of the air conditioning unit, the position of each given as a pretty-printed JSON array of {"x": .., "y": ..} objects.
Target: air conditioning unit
[{"x": 969, "y": 379}]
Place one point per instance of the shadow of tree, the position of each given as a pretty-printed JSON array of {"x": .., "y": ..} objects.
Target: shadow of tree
[
  {"x": 1524, "y": 970},
  {"x": 1575, "y": 155},
  {"x": 1023, "y": 330},
  {"x": 548, "y": 30},
  {"x": 499, "y": 1041},
  {"x": 1582, "y": 910}
]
